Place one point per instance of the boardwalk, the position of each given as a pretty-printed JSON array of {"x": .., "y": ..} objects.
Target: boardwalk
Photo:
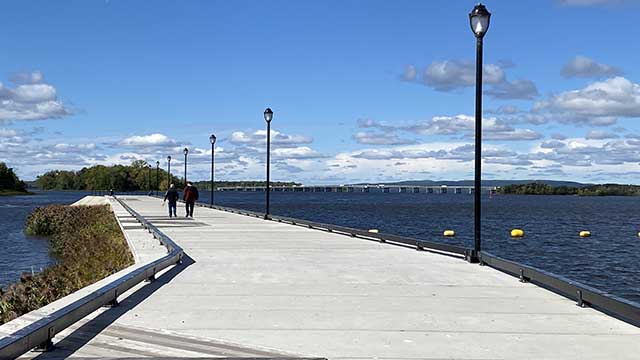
[{"x": 258, "y": 288}]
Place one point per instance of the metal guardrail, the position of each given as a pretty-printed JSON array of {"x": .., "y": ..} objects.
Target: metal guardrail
[
  {"x": 41, "y": 332},
  {"x": 584, "y": 295}
]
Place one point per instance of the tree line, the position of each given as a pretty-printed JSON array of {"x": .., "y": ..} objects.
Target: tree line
[
  {"x": 134, "y": 177},
  {"x": 590, "y": 190},
  {"x": 9, "y": 181}
]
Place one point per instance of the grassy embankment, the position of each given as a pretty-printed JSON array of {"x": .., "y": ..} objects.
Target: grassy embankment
[{"x": 87, "y": 244}]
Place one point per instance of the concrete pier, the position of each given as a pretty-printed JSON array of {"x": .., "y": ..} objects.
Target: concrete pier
[{"x": 257, "y": 288}]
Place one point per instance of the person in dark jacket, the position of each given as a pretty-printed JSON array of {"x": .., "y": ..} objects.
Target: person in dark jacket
[
  {"x": 190, "y": 196},
  {"x": 172, "y": 196}
]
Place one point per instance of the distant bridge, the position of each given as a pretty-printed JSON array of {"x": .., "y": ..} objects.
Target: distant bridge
[{"x": 442, "y": 189}]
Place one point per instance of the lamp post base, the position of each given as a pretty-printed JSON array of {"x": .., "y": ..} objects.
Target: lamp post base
[{"x": 472, "y": 256}]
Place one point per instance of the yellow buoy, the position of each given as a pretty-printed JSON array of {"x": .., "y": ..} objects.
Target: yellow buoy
[
  {"x": 375, "y": 231},
  {"x": 585, "y": 233},
  {"x": 449, "y": 233},
  {"x": 639, "y": 234},
  {"x": 517, "y": 233}
]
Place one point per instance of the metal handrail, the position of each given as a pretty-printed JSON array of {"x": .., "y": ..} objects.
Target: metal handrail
[
  {"x": 584, "y": 295},
  {"x": 41, "y": 332}
]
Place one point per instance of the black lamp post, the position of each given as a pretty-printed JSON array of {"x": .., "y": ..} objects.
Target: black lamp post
[
  {"x": 157, "y": 177},
  {"x": 268, "y": 115},
  {"x": 479, "y": 20},
  {"x": 168, "y": 171},
  {"x": 149, "y": 176},
  {"x": 212, "y": 140},
  {"x": 185, "y": 151}
]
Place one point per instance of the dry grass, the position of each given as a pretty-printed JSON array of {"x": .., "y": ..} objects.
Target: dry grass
[{"x": 88, "y": 245}]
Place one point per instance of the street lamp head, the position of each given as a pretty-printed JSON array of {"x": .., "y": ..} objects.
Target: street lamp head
[
  {"x": 169, "y": 158},
  {"x": 212, "y": 139},
  {"x": 185, "y": 151},
  {"x": 268, "y": 115},
  {"x": 479, "y": 20},
  {"x": 157, "y": 163}
]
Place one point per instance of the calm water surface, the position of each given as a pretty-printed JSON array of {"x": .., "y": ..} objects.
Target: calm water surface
[
  {"x": 608, "y": 260},
  {"x": 20, "y": 253}
]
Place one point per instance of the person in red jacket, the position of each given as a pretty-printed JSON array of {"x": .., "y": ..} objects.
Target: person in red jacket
[{"x": 190, "y": 195}]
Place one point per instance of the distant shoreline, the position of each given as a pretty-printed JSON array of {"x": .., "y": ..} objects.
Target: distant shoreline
[
  {"x": 592, "y": 190},
  {"x": 15, "y": 193}
]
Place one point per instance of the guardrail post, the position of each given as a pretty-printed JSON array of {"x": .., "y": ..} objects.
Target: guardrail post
[
  {"x": 47, "y": 345},
  {"x": 472, "y": 257},
  {"x": 522, "y": 278},
  {"x": 114, "y": 302},
  {"x": 580, "y": 301},
  {"x": 152, "y": 278}
]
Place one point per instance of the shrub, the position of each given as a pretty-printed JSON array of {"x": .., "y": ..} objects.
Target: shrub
[{"x": 88, "y": 246}]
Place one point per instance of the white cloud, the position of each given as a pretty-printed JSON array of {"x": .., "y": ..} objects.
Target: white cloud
[
  {"x": 518, "y": 89},
  {"x": 597, "y": 104},
  {"x": 74, "y": 147},
  {"x": 553, "y": 144},
  {"x": 492, "y": 128},
  {"x": 259, "y": 138},
  {"x": 600, "y": 135},
  {"x": 410, "y": 73},
  {"x": 31, "y": 100},
  {"x": 582, "y": 66},
  {"x": 380, "y": 138},
  {"x": 302, "y": 152},
  {"x": 5, "y": 133},
  {"x": 33, "y": 77},
  {"x": 513, "y": 135},
  {"x": 452, "y": 74},
  {"x": 152, "y": 140}
]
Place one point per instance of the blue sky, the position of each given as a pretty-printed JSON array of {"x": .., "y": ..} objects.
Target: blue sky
[{"x": 361, "y": 90}]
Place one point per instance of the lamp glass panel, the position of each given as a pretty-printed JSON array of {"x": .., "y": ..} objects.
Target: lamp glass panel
[
  {"x": 268, "y": 115},
  {"x": 479, "y": 24}
]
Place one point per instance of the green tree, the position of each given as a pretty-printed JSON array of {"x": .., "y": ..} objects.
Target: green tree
[{"x": 9, "y": 181}]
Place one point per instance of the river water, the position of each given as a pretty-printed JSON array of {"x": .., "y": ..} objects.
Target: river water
[{"x": 608, "y": 260}]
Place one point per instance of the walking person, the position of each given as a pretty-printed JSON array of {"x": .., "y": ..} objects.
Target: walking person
[
  {"x": 190, "y": 196},
  {"x": 172, "y": 195}
]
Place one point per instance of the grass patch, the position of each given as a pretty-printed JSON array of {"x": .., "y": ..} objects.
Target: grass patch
[{"x": 88, "y": 245}]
